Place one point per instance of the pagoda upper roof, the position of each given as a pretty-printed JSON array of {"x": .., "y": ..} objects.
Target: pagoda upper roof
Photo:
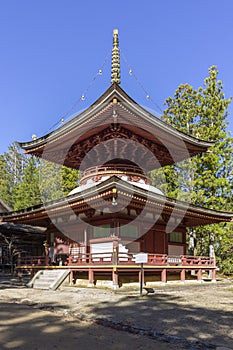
[{"x": 114, "y": 126}]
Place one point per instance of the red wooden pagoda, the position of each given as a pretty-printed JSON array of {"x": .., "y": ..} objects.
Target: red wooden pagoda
[{"x": 97, "y": 231}]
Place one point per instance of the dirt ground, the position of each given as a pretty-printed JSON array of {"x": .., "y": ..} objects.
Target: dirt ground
[{"x": 177, "y": 316}]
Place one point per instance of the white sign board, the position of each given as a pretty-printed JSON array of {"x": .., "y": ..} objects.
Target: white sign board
[{"x": 141, "y": 258}]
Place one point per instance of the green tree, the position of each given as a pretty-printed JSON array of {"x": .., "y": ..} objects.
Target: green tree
[
  {"x": 5, "y": 188},
  {"x": 56, "y": 181},
  {"x": 206, "y": 179},
  {"x": 224, "y": 248},
  {"x": 27, "y": 193},
  {"x": 12, "y": 165},
  {"x": 26, "y": 181},
  {"x": 182, "y": 112},
  {"x": 70, "y": 179},
  {"x": 16, "y": 162}
]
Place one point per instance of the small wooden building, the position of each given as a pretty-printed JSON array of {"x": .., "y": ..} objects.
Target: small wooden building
[
  {"x": 115, "y": 213},
  {"x": 18, "y": 239}
]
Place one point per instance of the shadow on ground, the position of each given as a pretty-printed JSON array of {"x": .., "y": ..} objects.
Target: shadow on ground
[
  {"x": 168, "y": 319},
  {"x": 175, "y": 316},
  {"x": 23, "y": 327}
]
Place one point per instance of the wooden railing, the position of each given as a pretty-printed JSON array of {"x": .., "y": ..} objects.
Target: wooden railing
[
  {"x": 197, "y": 260},
  {"x": 125, "y": 168},
  {"x": 32, "y": 261},
  {"x": 110, "y": 258},
  {"x": 129, "y": 258}
]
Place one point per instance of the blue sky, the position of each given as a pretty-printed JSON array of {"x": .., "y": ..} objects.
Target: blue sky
[{"x": 51, "y": 51}]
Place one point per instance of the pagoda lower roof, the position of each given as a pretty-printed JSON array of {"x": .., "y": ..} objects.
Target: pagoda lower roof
[
  {"x": 115, "y": 126},
  {"x": 93, "y": 199}
]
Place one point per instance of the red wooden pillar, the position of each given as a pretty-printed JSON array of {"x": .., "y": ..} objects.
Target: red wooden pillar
[
  {"x": 90, "y": 278},
  {"x": 182, "y": 275},
  {"x": 115, "y": 252},
  {"x": 199, "y": 275},
  {"x": 46, "y": 247},
  {"x": 115, "y": 280},
  {"x": 214, "y": 275},
  {"x": 19, "y": 274},
  {"x": 164, "y": 276},
  {"x": 71, "y": 277},
  {"x": 47, "y": 260}
]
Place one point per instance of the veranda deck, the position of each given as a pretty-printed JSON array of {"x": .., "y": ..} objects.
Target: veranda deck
[{"x": 120, "y": 266}]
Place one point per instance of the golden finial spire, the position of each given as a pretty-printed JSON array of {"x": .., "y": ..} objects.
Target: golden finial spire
[{"x": 116, "y": 74}]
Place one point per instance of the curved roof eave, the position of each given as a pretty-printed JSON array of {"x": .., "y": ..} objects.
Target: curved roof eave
[
  {"x": 113, "y": 91},
  {"x": 29, "y": 214}
]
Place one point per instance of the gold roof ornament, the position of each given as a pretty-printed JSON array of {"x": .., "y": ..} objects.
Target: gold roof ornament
[{"x": 116, "y": 73}]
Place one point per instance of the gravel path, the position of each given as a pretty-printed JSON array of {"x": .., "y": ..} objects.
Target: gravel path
[{"x": 182, "y": 316}]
